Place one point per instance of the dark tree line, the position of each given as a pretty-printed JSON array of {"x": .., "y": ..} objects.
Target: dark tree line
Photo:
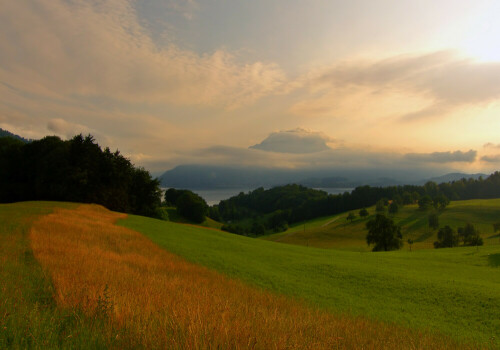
[
  {"x": 284, "y": 205},
  {"x": 77, "y": 170}
]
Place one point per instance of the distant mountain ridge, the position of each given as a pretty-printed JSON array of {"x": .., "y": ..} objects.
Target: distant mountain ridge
[
  {"x": 218, "y": 177},
  {"x": 6, "y": 133},
  {"x": 454, "y": 177}
]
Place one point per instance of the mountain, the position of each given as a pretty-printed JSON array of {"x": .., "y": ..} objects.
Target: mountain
[
  {"x": 211, "y": 177},
  {"x": 452, "y": 177},
  {"x": 5, "y": 133}
]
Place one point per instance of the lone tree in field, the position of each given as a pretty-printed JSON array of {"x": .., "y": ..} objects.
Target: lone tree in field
[
  {"x": 384, "y": 234},
  {"x": 393, "y": 207},
  {"x": 433, "y": 220},
  {"x": 410, "y": 242},
  {"x": 363, "y": 213},
  {"x": 447, "y": 238},
  {"x": 351, "y": 217}
]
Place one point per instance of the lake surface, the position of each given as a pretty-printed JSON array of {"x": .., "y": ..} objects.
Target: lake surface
[{"x": 214, "y": 196}]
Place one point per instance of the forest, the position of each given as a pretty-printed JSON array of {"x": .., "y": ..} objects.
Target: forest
[{"x": 77, "y": 170}]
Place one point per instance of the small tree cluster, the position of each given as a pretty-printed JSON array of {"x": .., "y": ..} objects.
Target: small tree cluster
[
  {"x": 438, "y": 202},
  {"x": 189, "y": 205},
  {"x": 470, "y": 235},
  {"x": 448, "y": 238}
]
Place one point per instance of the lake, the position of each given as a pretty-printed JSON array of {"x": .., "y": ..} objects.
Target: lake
[{"x": 214, "y": 196}]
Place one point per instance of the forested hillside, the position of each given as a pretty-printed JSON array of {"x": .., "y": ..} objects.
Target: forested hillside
[{"x": 274, "y": 209}]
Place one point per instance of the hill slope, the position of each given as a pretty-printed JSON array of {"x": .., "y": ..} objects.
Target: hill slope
[
  {"x": 97, "y": 285},
  {"x": 455, "y": 291},
  {"x": 336, "y": 232}
]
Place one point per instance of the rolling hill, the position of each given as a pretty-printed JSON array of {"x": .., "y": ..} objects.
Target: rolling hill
[
  {"x": 336, "y": 232},
  {"x": 68, "y": 281}
]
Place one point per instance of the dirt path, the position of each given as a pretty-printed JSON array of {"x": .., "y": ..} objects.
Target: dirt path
[{"x": 329, "y": 222}]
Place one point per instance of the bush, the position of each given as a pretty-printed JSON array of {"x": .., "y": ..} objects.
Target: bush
[{"x": 363, "y": 213}]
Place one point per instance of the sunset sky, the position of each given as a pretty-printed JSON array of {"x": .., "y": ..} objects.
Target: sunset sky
[{"x": 288, "y": 83}]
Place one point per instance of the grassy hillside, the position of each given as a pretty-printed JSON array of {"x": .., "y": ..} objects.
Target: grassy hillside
[
  {"x": 455, "y": 291},
  {"x": 336, "y": 232},
  {"x": 71, "y": 278}
]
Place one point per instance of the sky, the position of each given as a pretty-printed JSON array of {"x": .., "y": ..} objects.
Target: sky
[{"x": 272, "y": 83}]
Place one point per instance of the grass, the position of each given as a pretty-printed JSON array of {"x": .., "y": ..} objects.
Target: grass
[
  {"x": 175, "y": 217},
  {"x": 453, "y": 291},
  {"x": 29, "y": 317},
  {"x": 103, "y": 286},
  {"x": 151, "y": 298},
  {"x": 341, "y": 234}
]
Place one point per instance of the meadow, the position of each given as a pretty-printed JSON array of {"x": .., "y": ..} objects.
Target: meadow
[
  {"x": 336, "y": 232},
  {"x": 453, "y": 291},
  {"x": 74, "y": 279},
  {"x": 107, "y": 286}
]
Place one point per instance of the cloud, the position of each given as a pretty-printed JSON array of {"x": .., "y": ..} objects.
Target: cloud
[
  {"x": 295, "y": 141},
  {"x": 442, "y": 157},
  {"x": 68, "y": 50},
  {"x": 491, "y": 145},
  {"x": 433, "y": 85},
  {"x": 67, "y": 129},
  {"x": 491, "y": 158}
]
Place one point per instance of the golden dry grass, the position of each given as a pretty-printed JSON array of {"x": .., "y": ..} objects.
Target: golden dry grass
[{"x": 154, "y": 299}]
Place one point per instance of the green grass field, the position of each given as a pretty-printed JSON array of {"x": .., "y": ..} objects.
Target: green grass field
[
  {"x": 336, "y": 232},
  {"x": 454, "y": 291}
]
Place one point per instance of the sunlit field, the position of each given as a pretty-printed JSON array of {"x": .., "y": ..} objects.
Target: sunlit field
[{"x": 156, "y": 299}]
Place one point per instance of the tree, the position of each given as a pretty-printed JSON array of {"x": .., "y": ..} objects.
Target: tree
[
  {"x": 407, "y": 198},
  {"x": 351, "y": 217},
  {"x": 469, "y": 235},
  {"x": 363, "y": 213},
  {"x": 425, "y": 203},
  {"x": 433, "y": 221},
  {"x": 410, "y": 242},
  {"x": 440, "y": 202},
  {"x": 380, "y": 206},
  {"x": 496, "y": 227},
  {"x": 384, "y": 234},
  {"x": 447, "y": 238},
  {"x": 192, "y": 207},
  {"x": 171, "y": 196},
  {"x": 393, "y": 207}
]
